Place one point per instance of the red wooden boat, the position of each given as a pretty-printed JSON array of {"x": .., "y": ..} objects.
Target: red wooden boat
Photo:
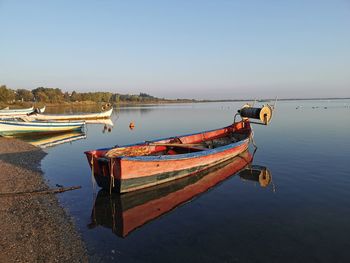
[
  {"x": 137, "y": 166},
  {"x": 123, "y": 213}
]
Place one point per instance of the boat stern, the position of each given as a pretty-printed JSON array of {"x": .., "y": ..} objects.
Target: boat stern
[{"x": 104, "y": 170}]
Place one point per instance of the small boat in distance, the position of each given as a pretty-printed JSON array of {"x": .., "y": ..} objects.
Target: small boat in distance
[
  {"x": 62, "y": 117},
  {"x": 145, "y": 164},
  {"x": 17, "y": 128},
  {"x": 5, "y": 113},
  {"x": 124, "y": 213}
]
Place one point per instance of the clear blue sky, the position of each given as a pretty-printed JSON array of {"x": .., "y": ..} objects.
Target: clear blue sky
[{"x": 202, "y": 49}]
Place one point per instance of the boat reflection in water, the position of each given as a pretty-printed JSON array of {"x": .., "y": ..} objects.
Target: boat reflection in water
[
  {"x": 107, "y": 124},
  {"x": 123, "y": 213},
  {"x": 45, "y": 141},
  {"x": 50, "y": 140},
  {"x": 256, "y": 173}
]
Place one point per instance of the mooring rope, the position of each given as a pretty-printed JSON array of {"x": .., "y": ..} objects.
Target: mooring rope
[
  {"x": 93, "y": 181},
  {"x": 251, "y": 138},
  {"x": 111, "y": 184}
]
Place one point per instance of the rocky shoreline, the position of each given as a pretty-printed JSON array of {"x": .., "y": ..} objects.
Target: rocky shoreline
[{"x": 33, "y": 228}]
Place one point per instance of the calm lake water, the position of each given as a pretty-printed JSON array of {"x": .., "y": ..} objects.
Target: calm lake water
[{"x": 302, "y": 215}]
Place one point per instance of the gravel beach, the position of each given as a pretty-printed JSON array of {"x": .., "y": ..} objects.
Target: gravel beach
[{"x": 33, "y": 228}]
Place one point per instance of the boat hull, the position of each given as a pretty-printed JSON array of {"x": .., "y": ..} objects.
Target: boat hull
[
  {"x": 125, "y": 174},
  {"x": 88, "y": 116},
  {"x": 15, "y": 112},
  {"x": 13, "y": 128},
  {"x": 7, "y": 113}
]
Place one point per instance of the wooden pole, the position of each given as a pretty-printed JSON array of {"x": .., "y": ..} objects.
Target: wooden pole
[{"x": 42, "y": 192}]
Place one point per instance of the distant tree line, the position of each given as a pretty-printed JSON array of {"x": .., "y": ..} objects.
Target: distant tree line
[{"x": 54, "y": 95}]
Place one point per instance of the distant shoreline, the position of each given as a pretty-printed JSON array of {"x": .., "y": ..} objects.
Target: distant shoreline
[{"x": 160, "y": 102}]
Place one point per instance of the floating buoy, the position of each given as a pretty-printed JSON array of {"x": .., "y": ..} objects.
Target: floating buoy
[{"x": 131, "y": 125}]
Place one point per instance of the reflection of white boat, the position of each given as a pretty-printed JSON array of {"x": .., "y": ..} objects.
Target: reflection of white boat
[
  {"x": 60, "y": 117},
  {"x": 13, "y": 128},
  {"x": 18, "y": 112},
  {"x": 53, "y": 140},
  {"x": 107, "y": 122}
]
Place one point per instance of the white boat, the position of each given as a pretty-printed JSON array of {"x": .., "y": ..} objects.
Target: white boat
[
  {"x": 61, "y": 117},
  {"x": 18, "y": 112},
  {"x": 16, "y": 128}
]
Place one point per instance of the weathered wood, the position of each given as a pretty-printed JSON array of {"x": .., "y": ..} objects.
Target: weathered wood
[
  {"x": 154, "y": 162},
  {"x": 182, "y": 145}
]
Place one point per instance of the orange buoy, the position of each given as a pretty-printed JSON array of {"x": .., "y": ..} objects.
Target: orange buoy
[{"x": 132, "y": 125}]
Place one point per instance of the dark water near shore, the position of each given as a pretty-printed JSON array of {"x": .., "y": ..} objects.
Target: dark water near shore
[{"x": 302, "y": 215}]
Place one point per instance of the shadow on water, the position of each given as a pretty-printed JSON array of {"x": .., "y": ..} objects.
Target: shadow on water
[{"x": 123, "y": 213}]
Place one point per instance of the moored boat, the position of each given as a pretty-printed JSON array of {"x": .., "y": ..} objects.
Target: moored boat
[
  {"x": 8, "y": 113},
  {"x": 150, "y": 163},
  {"x": 141, "y": 165},
  {"x": 65, "y": 117},
  {"x": 15, "y": 128},
  {"x": 127, "y": 212}
]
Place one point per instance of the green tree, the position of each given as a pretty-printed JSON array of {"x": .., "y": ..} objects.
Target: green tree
[
  {"x": 6, "y": 95},
  {"x": 75, "y": 96},
  {"x": 48, "y": 94},
  {"x": 66, "y": 96},
  {"x": 25, "y": 95},
  {"x": 41, "y": 96}
]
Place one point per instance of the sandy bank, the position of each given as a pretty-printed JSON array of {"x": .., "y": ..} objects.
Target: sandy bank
[{"x": 33, "y": 228}]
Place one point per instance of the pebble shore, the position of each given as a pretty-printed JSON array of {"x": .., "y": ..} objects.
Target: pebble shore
[{"x": 33, "y": 228}]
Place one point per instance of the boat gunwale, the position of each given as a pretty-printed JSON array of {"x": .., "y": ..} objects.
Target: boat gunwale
[
  {"x": 148, "y": 158},
  {"x": 106, "y": 114},
  {"x": 17, "y": 110},
  {"x": 42, "y": 124},
  {"x": 182, "y": 156}
]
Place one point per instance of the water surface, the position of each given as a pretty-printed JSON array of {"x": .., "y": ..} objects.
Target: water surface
[{"x": 302, "y": 215}]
